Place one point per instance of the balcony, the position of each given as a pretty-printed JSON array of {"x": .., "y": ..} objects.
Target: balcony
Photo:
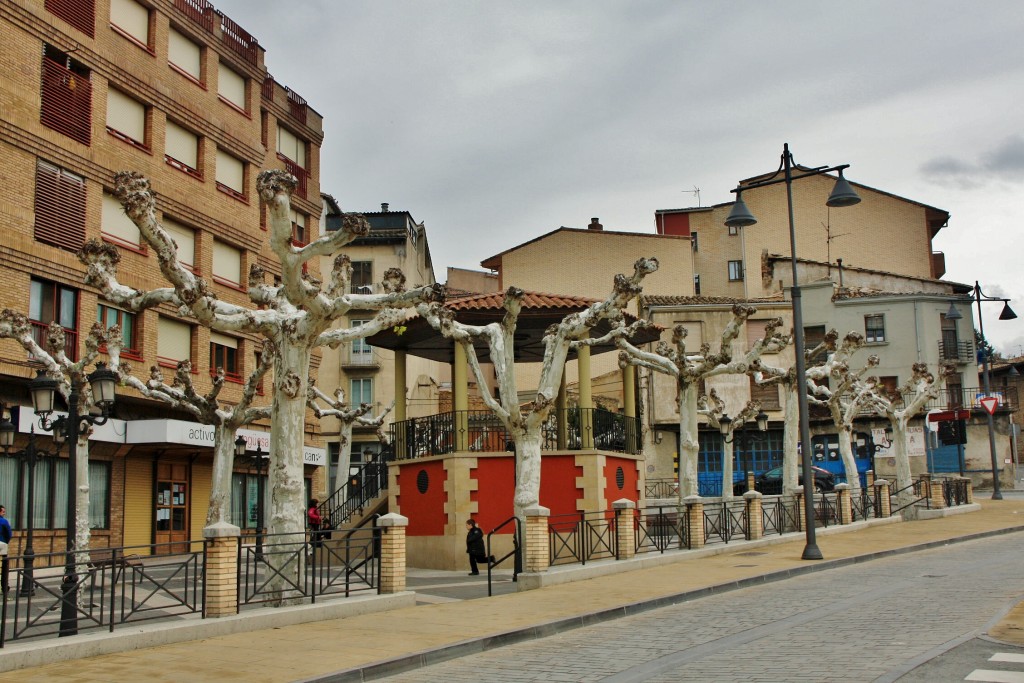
[
  {"x": 360, "y": 361},
  {"x": 958, "y": 352},
  {"x": 301, "y": 175}
]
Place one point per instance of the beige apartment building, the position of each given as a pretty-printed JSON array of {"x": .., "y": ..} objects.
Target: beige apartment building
[{"x": 179, "y": 92}]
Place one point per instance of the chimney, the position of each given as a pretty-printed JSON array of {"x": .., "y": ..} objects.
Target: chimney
[
  {"x": 595, "y": 225},
  {"x": 384, "y": 207}
]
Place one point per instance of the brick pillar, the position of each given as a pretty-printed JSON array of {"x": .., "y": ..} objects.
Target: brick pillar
[
  {"x": 936, "y": 499},
  {"x": 882, "y": 496},
  {"x": 869, "y": 476},
  {"x": 755, "y": 520},
  {"x": 538, "y": 540},
  {"x": 625, "y": 531},
  {"x": 970, "y": 491},
  {"x": 221, "y": 569},
  {"x": 694, "y": 520},
  {"x": 392, "y": 552},
  {"x": 800, "y": 512},
  {"x": 844, "y": 503},
  {"x": 750, "y": 481}
]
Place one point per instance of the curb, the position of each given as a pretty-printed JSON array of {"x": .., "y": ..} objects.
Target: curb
[{"x": 417, "y": 660}]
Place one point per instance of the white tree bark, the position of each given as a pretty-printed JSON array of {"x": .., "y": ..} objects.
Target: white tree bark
[{"x": 295, "y": 316}]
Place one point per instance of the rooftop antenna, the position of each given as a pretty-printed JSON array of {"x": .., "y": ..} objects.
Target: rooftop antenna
[
  {"x": 829, "y": 237},
  {"x": 695, "y": 192}
]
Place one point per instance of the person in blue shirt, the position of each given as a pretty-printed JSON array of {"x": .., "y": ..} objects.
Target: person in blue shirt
[{"x": 5, "y": 538}]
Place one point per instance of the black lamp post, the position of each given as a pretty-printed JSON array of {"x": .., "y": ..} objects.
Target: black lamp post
[
  {"x": 746, "y": 437},
  {"x": 102, "y": 382},
  {"x": 30, "y": 456},
  {"x": 258, "y": 460},
  {"x": 1006, "y": 314},
  {"x": 842, "y": 195}
]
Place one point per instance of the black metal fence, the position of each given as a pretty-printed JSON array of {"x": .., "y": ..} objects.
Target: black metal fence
[
  {"x": 300, "y": 567},
  {"x": 582, "y": 537},
  {"x": 349, "y": 501},
  {"x": 725, "y": 520},
  {"x": 659, "y": 529},
  {"x": 954, "y": 492},
  {"x": 661, "y": 488},
  {"x": 779, "y": 514},
  {"x": 111, "y": 587},
  {"x": 865, "y": 504}
]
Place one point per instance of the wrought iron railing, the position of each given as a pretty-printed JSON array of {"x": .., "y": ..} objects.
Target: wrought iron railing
[
  {"x": 725, "y": 520},
  {"x": 661, "y": 488},
  {"x": 659, "y": 529},
  {"x": 864, "y": 504},
  {"x": 917, "y": 494},
  {"x": 300, "y": 567},
  {"x": 113, "y": 586},
  {"x": 359, "y": 490},
  {"x": 515, "y": 554},
  {"x": 826, "y": 510},
  {"x": 960, "y": 351},
  {"x": 582, "y": 537},
  {"x": 779, "y": 514},
  {"x": 954, "y": 492}
]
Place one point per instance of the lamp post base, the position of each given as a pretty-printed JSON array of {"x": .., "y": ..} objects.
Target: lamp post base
[{"x": 811, "y": 552}]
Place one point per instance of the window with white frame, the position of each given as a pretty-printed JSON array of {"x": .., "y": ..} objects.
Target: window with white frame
[
  {"x": 227, "y": 264},
  {"x": 230, "y": 174},
  {"x": 360, "y": 391},
  {"x": 49, "y": 504},
  {"x": 185, "y": 55},
  {"x": 874, "y": 329},
  {"x": 131, "y": 18},
  {"x": 362, "y": 277},
  {"x": 115, "y": 224},
  {"x": 360, "y": 353},
  {"x": 185, "y": 238},
  {"x": 181, "y": 148},
  {"x": 126, "y": 118},
  {"x": 291, "y": 145},
  {"x": 173, "y": 342},
  {"x": 735, "y": 271},
  {"x": 231, "y": 86}
]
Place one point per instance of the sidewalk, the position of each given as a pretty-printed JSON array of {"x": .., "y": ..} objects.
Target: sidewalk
[{"x": 439, "y": 628}]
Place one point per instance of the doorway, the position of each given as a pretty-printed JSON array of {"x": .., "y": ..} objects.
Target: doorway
[{"x": 172, "y": 506}]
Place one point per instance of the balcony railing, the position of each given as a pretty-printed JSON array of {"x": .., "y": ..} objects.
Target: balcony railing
[
  {"x": 40, "y": 332},
  {"x": 481, "y": 431},
  {"x": 301, "y": 175},
  {"x": 961, "y": 352},
  {"x": 238, "y": 39},
  {"x": 199, "y": 11},
  {"x": 66, "y": 101},
  {"x": 360, "y": 360}
]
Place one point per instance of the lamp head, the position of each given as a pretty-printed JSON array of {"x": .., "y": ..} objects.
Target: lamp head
[
  {"x": 953, "y": 313},
  {"x": 103, "y": 380},
  {"x": 740, "y": 216},
  {"x": 42, "y": 389},
  {"x": 842, "y": 193},
  {"x": 723, "y": 424},
  {"x": 239, "y": 446},
  {"x": 6, "y": 433},
  {"x": 1007, "y": 312},
  {"x": 762, "y": 421}
]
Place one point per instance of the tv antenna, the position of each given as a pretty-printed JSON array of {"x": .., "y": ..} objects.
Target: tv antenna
[
  {"x": 828, "y": 240},
  {"x": 695, "y": 192}
]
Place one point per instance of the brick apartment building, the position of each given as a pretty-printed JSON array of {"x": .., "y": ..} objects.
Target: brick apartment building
[{"x": 179, "y": 92}]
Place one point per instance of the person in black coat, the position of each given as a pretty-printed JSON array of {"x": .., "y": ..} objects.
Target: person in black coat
[{"x": 475, "y": 546}]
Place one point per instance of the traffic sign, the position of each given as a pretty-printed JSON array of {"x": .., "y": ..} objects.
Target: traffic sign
[{"x": 989, "y": 403}]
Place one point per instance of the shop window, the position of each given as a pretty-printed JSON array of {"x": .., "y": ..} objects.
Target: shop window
[
  {"x": 54, "y": 302},
  {"x": 60, "y": 207},
  {"x": 108, "y": 316},
  {"x": 49, "y": 500},
  {"x": 126, "y": 119},
  {"x": 66, "y": 96},
  {"x": 224, "y": 355},
  {"x": 185, "y": 56},
  {"x": 244, "y": 499}
]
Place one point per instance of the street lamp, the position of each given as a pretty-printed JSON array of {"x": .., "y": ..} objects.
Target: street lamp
[
  {"x": 256, "y": 459},
  {"x": 761, "y": 419},
  {"x": 30, "y": 456},
  {"x": 1006, "y": 314},
  {"x": 101, "y": 382},
  {"x": 740, "y": 216}
]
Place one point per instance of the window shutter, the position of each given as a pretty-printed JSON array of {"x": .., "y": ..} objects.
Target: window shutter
[
  {"x": 291, "y": 146},
  {"x": 223, "y": 340},
  {"x": 174, "y": 340},
  {"x": 66, "y": 101},
  {"x": 230, "y": 172},
  {"x": 184, "y": 54},
  {"x": 227, "y": 262},
  {"x": 182, "y": 145},
  {"x": 79, "y": 13},
  {"x": 116, "y": 224},
  {"x": 126, "y": 115},
  {"x": 231, "y": 86},
  {"x": 132, "y": 18},
  {"x": 60, "y": 207},
  {"x": 185, "y": 237},
  {"x": 755, "y": 330}
]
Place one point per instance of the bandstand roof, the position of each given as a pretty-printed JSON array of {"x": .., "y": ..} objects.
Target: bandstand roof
[{"x": 539, "y": 311}]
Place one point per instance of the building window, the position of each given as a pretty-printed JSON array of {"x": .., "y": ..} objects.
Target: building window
[
  {"x": 54, "y": 302},
  {"x": 126, "y": 119},
  {"x": 874, "y": 329},
  {"x": 173, "y": 342},
  {"x": 79, "y": 13},
  {"x": 185, "y": 238},
  {"x": 60, "y": 207},
  {"x": 950, "y": 344},
  {"x": 360, "y": 352},
  {"x": 115, "y": 225},
  {"x": 227, "y": 264},
  {"x": 244, "y": 499},
  {"x": 51, "y": 493},
  {"x": 733, "y": 230},
  {"x": 889, "y": 385},
  {"x": 735, "y": 271},
  {"x": 361, "y": 391},
  {"x": 230, "y": 175},
  {"x": 696, "y": 285},
  {"x": 224, "y": 355},
  {"x": 231, "y": 87},
  {"x": 181, "y": 149},
  {"x": 291, "y": 149},
  {"x": 66, "y": 96},
  {"x": 300, "y": 237},
  {"x": 108, "y": 316},
  {"x": 362, "y": 277},
  {"x": 185, "y": 56},
  {"x": 767, "y": 394},
  {"x": 131, "y": 19},
  {"x": 693, "y": 241}
]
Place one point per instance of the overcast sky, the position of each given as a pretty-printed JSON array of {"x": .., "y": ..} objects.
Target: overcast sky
[{"x": 496, "y": 122}]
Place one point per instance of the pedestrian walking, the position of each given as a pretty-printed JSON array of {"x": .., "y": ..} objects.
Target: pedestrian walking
[
  {"x": 475, "y": 547},
  {"x": 5, "y": 539},
  {"x": 315, "y": 523}
]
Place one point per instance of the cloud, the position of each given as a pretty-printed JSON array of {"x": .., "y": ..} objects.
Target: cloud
[{"x": 1003, "y": 162}]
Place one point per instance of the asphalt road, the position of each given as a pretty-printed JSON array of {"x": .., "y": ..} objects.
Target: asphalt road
[{"x": 914, "y": 617}]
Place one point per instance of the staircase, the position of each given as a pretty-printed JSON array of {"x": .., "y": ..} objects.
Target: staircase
[{"x": 362, "y": 497}]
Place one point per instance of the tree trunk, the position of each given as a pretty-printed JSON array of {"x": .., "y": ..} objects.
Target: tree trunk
[
  {"x": 849, "y": 462},
  {"x": 790, "y": 441},
  {"x": 82, "y": 533},
  {"x": 728, "y": 455},
  {"x": 528, "y": 444},
  {"x": 220, "y": 479},
  {"x": 344, "y": 456},
  {"x": 688, "y": 440},
  {"x": 903, "y": 476}
]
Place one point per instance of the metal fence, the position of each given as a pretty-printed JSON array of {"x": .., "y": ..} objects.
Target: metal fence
[
  {"x": 779, "y": 514},
  {"x": 582, "y": 537},
  {"x": 659, "y": 529},
  {"x": 954, "y": 492},
  {"x": 725, "y": 520},
  {"x": 109, "y": 587}
]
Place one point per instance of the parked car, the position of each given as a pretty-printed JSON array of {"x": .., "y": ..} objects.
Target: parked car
[{"x": 770, "y": 482}]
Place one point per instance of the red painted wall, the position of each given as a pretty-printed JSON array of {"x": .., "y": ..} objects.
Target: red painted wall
[
  {"x": 629, "y": 491},
  {"x": 425, "y": 510},
  {"x": 495, "y": 480},
  {"x": 672, "y": 224},
  {"x": 558, "y": 490}
]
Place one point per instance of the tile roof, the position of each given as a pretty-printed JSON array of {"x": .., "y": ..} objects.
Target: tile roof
[
  {"x": 675, "y": 300},
  {"x": 531, "y": 300}
]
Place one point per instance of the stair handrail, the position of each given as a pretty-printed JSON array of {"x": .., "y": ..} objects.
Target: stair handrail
[
  {"x": 517, "y": 562},
  {"x": 372, "y": 478}
]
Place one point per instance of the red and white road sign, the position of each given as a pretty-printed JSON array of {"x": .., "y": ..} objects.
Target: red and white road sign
[{"x": 989, "y": 403}]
